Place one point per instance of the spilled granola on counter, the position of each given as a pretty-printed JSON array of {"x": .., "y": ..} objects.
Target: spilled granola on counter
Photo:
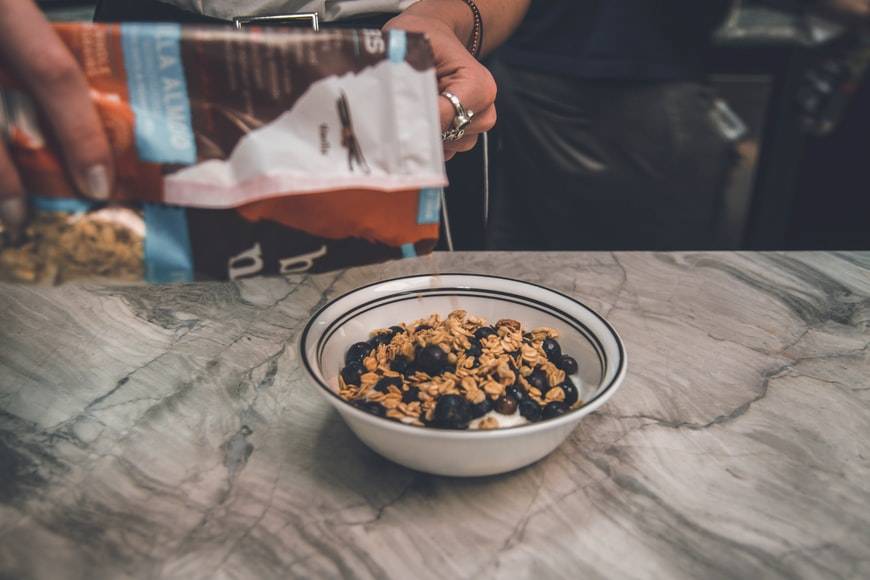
[{"x": 460, "y": 373}]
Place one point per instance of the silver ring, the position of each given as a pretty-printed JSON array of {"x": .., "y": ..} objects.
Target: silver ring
[
  {"x": 461, "y": 120},
  {"x": 452, "y": 135}
]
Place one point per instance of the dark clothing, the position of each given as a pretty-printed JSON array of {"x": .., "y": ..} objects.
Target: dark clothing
[
  {"x": 147, "y": 11},
  {"x": 605, "y": 130},
  {"x": 156, "y": 11},
  {"x": 616, "y": 39},
  {"x": 605, "y": 165}
]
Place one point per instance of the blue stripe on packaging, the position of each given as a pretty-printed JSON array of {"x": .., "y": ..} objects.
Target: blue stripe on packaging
[
  {"x": 158, "y": 92},
  {"x": 62, "y": 204},
  {"x": 168, "y": 257},
  {"x": 429, "y": 206},
  {"x": 408, "y": 251},
  {"x": 398, "y": 45}
]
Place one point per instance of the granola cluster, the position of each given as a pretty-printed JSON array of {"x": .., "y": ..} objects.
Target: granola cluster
[
  {"x": 59, "y": 247},
  {"x": 454, "y": 372}
]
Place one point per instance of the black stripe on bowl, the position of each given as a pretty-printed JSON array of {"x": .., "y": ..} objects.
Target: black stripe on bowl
[{"x": 462, "y": 292}]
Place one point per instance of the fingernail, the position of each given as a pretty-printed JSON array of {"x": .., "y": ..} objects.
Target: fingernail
[
  {"x": 13, "y": 214},
  {"x": 96, "y": 185}
]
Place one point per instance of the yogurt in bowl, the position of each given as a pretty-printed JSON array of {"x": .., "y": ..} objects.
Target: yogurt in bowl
[{"x": 350, "y": 319}]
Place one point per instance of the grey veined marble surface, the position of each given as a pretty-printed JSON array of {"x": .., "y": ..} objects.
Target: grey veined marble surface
[{"x": 169, "y": 432}]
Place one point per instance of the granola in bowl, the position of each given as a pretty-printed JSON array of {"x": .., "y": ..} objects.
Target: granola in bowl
[{"x": 461, "y": 372}]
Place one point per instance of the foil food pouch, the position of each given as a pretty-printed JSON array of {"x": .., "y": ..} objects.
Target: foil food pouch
[{"x": 237, "y": 153}]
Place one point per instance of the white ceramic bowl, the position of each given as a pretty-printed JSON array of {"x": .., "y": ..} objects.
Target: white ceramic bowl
[{"x": 583, "y": 334}]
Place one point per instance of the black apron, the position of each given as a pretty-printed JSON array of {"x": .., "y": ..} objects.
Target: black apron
[{"x": 156, "y": 11}]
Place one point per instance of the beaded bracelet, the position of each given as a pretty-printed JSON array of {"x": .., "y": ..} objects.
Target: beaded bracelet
[{"x": 476, "y": 42}]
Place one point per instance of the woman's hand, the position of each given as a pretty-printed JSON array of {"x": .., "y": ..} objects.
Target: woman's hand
[
  {"x": 31, "y": 50},
  {"x": 459, "y": 73}
]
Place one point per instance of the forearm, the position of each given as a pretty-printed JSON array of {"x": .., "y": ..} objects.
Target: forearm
[{"x": 500, "y": 18}]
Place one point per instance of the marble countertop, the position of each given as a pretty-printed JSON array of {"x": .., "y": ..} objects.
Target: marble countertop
[{"x": 169, "y": 432}]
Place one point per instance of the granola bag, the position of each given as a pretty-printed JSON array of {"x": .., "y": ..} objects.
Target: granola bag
[{"x": 237, "y": 153}]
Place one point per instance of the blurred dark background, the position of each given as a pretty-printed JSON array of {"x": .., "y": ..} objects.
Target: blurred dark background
[
  {"x": 801, "y": 177},
  {"x": 801, "y": 172}
]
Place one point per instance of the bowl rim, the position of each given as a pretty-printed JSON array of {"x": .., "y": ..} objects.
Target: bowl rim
[{"x": 574, "y": 415}]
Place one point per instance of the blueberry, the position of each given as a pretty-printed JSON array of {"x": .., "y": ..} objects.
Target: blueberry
[
  {"x": 411, "y": 395},
  {"x": 571, "y": 393},
  {"x": 555, "y": 409},
  {"x": 480, "y": 409},
  {"x": 452, "y": 412},
  {"x": 422, "y": 327},
  {"x": 530, "y": 410},
  {"x": 376, "y": 341},
  {"x": 396, "y": 330},
  {"x": 400, "y": 364},
  {"x": 449, "y": 368},
  {"x": 352, "y": 373},
  {"x": 431, "y": 359},
  {"x": 475, "y": 362},
  {"x": 476, "y": 349},
  {"x": 516, "y": 392},
  {"x": 568, "y": 364},
  {"x": 357, "y": 352},
  {"x": 538, "y": 379},
  {"x": 375, "y": 409},
  {"x": 483, "y": 332},
  {"x": 552, "y": 350},
  {"x": 383, "y": 385},
  {"x": 506, "y": 405},
  {"x": 370, "y": 407}
]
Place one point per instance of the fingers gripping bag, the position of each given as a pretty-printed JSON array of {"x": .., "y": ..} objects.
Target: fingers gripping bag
[{"x": 237, "y": 153}]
